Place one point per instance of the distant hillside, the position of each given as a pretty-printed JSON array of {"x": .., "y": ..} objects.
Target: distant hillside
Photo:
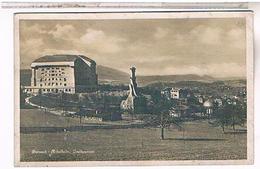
[
  {"x": 181, "y": 84},
  {"x": 236, "y": 83},
  {"x": 145, "y": 80},
  {"x": 110, "y": 75}
]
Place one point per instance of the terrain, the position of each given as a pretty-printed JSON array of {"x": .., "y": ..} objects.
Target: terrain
[{"x": 199, "y": 141}]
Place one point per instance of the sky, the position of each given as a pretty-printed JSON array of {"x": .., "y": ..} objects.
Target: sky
[{"x": 214, "y": 47}]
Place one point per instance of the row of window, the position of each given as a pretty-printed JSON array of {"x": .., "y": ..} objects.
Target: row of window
[
  {"x": 52, "y": 73},
  {"x": 53, "y": 84},
  {"x": 49, "y": 79},
  {"x": 55, "y": 90},
  {"x": 51, "y": 68}
]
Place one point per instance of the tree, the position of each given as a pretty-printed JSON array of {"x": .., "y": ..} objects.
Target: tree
[
  {"x": 140, "y": 103},
  {"x": 161, "y": 116},
  {"x": 230, "y": 115},
  {"x": 238, "y": 114},
  {"x": 222, "y": 118}
]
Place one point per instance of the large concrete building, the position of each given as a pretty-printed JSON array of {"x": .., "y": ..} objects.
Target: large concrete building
[{"x": 62, "y": 73}]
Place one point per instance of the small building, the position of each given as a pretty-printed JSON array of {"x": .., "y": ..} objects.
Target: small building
[
  {"x": 62, "y": 73},
  {"x": 209, "y": 107},
  {"x": 175, "y": 93}
]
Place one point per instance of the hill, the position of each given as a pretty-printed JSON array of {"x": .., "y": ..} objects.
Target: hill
[
  {"x": 110, "y": 75},
  {"x": 147, "y": 80}
]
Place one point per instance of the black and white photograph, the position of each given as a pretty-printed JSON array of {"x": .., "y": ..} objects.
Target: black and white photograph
[{"x": 139, "y": 88}]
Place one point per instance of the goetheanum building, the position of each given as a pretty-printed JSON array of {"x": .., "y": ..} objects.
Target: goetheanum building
[{"x": 62, "y": 73}]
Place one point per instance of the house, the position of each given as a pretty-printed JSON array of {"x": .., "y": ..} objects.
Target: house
[{"x": 175, "y": 93}]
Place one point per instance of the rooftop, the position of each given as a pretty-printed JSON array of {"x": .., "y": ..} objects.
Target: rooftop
[{"x": 62, "y": 58}]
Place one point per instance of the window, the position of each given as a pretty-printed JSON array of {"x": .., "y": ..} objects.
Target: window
[
  {"x": 65, "y": 79},
  {"x": 65, "y": 84},
  {"x": 44, "y": 90},
  {"x": 41, "y": 85},
  {"x": 62, "y": 68},
  {"x": 42, "y": 69},
  {"x": 52, "y": 78},
  {"x": 57, "y": 84}
]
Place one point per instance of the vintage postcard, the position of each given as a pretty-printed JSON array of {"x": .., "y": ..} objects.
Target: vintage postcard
[{"x": 153, "y": 88}]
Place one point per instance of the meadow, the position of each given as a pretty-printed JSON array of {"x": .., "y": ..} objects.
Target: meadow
[{"x": 198, "y": 141}]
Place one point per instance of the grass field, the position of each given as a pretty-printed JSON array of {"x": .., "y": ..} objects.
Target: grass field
[{"x": 199, "y": 141}]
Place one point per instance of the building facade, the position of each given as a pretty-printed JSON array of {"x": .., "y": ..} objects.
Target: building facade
[{"x": 62, "y": 73}]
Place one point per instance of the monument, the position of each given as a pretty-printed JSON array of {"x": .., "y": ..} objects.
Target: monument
[{"x": 129, "y": 103}]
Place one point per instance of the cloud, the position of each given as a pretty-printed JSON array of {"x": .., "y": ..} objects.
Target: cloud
[
  {"x": 63, "y": 32},
  {"x": 207, "y": 35},
  {"x": 30, "y": 45},
  {"x": 214, "y": 69},
  {"x": 57, "y": 51},
  {"x": 30, "y": 50},
  {"x": 236, "y": 33},
  {"x": 33, "y": 29},
  {"x": 236, "y": 37},
  {"x": 204, "y": 47},
  {"x": 160, "y": 33},
  {"x": 99, "y": 41}
]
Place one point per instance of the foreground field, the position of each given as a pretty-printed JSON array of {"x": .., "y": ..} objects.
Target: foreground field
[{"x": 199, "y": 141}]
